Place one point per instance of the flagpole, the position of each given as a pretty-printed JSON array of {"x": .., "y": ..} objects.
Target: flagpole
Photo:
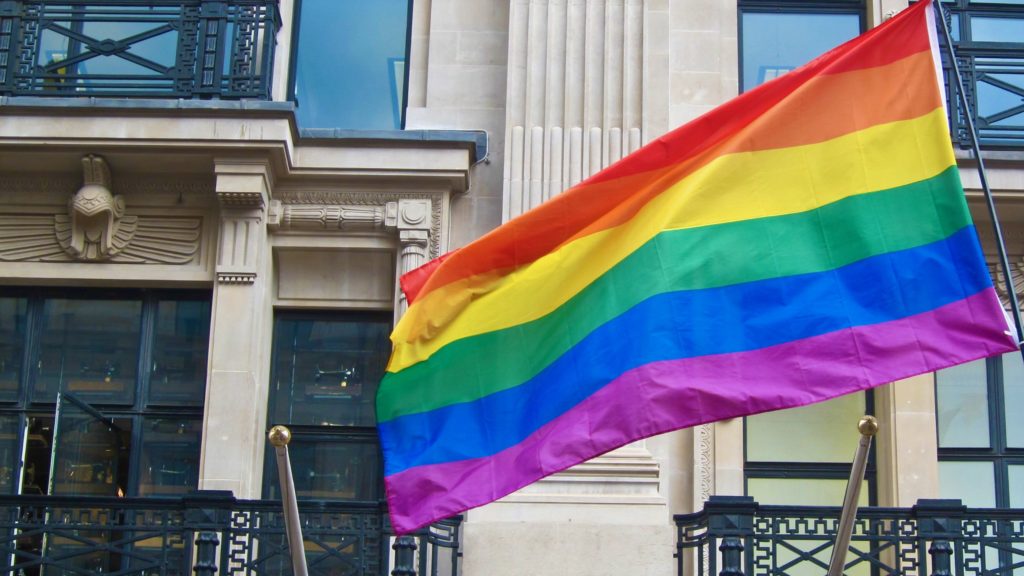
[
  {"x": 1004, "y": 262},
  {"x": 280, "y": 436},
  {"x": 868, "y": 427}
]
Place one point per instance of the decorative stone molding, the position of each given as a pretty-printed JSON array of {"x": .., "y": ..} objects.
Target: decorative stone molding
[
  {"x": 157, "y": 240},
  {"x": 252, "y": 200},
  {"x": 240, "y": 244},
  {"x": 96, "y": 228},
  {"x": 703, "y": 470},
  {"x": 703, "y": 465},
  {"x": 242, "y": 188},
  {"x": 326, "y": 218},
  {"x": 399, "y": 211},
  {"x": 236, "y": 277}
]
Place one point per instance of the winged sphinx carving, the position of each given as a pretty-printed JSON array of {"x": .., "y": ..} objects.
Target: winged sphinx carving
[{"x": 96, "y": 228}]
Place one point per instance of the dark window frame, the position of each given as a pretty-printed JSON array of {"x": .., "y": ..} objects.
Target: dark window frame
[
  {"x": 366, "y": 435},
  {"x": 858, "y": 7},
  {"x": 141, "y": 410},
  {"x": 815, "y": 470},
  {"x": 997, "y": 453}
]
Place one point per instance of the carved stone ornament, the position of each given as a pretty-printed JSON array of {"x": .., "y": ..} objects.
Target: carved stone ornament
[{"x": 95, "y": 227}]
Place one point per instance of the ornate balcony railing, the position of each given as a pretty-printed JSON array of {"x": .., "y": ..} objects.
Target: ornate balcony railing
[
  {"x": 990, "y": 55},
  {"x": 735, "y": 536},
  {"x": 138, "y": 48},
  {"x": 211, "y": 533}
]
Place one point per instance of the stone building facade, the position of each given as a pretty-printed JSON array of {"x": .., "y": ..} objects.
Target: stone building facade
[{"x": 144, "y": 196}]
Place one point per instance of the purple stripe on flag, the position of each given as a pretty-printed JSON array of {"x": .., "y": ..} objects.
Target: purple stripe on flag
[{"x": 682, "y": 393}]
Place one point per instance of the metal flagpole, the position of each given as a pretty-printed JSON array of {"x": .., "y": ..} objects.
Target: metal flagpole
[
  {"x": 280, "y": 436},
  {"x": 1004, "y": 262},
  {"x": 868, "y": 427}
]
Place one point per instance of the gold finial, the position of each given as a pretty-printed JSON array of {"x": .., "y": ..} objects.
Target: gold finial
[
  {"x": 279, "y": 436},
  {"x": 868, "y": 425}
]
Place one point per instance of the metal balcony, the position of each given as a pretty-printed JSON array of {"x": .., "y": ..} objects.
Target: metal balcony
[
  {"x": 736, "y": 536},
  {"x": 138, "y": 48},
  {"x": 210, "y": 533}
]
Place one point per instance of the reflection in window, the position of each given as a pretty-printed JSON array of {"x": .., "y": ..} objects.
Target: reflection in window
[
  {"x": 773, "y": 43},
  {"x": 325, "y": 371},
  {"x": 326, "y": 468},
  {"x": 349, "y": 63},
  {"x": 986, "y": 29},
  {"x": 803, "y": 455},
  {"x": 972, "y": 482},
  {"x": 978, "y": 407},
  {"x": 962, "y": 406},
  {"x": 89, "y": 347},
  {"x": 170, "y": 456},
  {"x": 813, "y": 433},
  {"x": 92, "y": 344},
  {"x": 179, "y": 352},
  {"x": 12, "y": 345},
  {"x": 10, "y": 452}
]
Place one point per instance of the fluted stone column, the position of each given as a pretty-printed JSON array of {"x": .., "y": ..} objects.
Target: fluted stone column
[
  {"x": 239, "y": 333},
  {"x": 575, "y": 94},
  {"x": 413, "y": 223}
]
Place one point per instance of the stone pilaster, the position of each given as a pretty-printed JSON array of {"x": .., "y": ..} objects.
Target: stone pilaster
[
  {"x": 574, "y": 101},
  {"x": 413, "y": 221},
  {"x": 239, "y": 333}
]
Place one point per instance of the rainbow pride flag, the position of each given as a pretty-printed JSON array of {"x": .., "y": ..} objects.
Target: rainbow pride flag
[{"x": 807, "y": 239}]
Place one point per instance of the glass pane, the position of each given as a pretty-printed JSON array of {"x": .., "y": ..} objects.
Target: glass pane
[
  {"x": 1013, "y": 398},
  {"x": 89, "y": 347},
  {"x": 1015, "y": 473},
  {"x": 993, "y": 29},
  {"x": 86, "y": 452},
  {"x": 999, "y": 98},
  {"x": 972, "y": 482},
  {"x": 803, "y": 491},
  {"x": 38, "y": 452},
  {"x": 154, "y": 45},
  {"x": 179, "y": 352},
  {"x": 823, "y": 432},
  {"x": 775, "y": 43},
  {"x": 12, "y": 345},
  {"x": 350, "y": 63},
  {"x": 169, "y": 456},
  {"x": 10, "y": 452},
  {"x": 961, "y": 398},
  {"x": 326, "y": 469},
  {"x": 326, "y": 371}
]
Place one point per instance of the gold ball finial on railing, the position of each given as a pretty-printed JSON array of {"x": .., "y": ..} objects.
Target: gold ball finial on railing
[
  {"x": 868, "y": 425},
  {"x": 279, "y": 436}
]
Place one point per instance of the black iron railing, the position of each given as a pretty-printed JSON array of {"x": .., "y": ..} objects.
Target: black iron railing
[
  {"x": 138, "y": 48},
  {"x": 735, "y": 536},
  {"x": 992, "y": 77},
  {"x": 991, "y": 60},
  {"x": 211, "y": 533}
]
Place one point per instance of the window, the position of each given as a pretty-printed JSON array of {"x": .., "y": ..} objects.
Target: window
[
  {"x": 989, "y": 39},
  {"x": 777, "y": 36},
  {"x": 981, "y": 434},
  {"x": 349, "y": 63},
  {"x": 802, "y": 456},
  {"x": 108, "y": 385},
  {"x": 324, "y": 376}
]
